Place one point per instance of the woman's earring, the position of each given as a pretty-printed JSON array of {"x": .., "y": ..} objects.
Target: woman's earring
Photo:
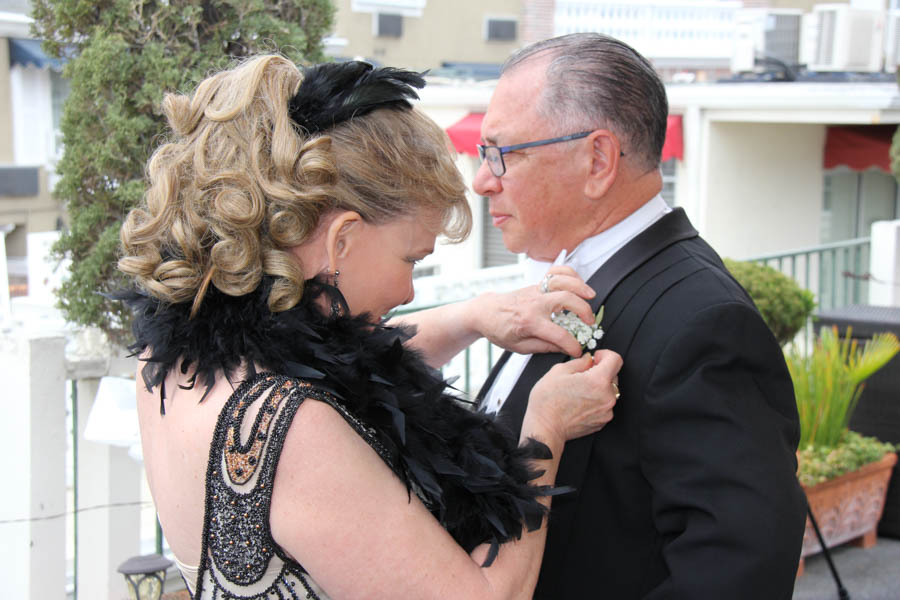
[{"x": 335, "y": 304}]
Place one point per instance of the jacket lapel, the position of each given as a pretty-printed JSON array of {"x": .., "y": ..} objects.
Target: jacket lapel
[
  {"x": 671, "y": 228},
  {"x": 668, "y": 230}
]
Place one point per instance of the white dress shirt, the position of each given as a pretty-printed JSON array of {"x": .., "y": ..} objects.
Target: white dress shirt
[{"x": 586, "y": 258}]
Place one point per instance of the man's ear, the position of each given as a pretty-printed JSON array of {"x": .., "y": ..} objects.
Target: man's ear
[
  {"x": 341, "y": 236},
  {"x": 605, "y": 154}
]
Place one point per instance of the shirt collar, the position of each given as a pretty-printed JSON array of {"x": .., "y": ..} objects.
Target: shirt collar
[{"x": 592, "y": 252}]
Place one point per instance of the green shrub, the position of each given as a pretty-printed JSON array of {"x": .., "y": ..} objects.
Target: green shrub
[
  {"x": 784, "y": 305},
  {"x": 816, "y": 464}
]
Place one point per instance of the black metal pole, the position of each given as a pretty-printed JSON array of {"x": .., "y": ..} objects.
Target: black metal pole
[{"x": 842, "y": 591}]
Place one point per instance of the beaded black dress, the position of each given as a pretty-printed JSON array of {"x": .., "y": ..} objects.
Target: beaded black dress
[
  {"x": 240, "y": 558},
  {"x": 469, "y": 472}
]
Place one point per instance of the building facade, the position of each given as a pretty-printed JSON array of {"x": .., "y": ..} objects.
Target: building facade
[
  {"x": 465, "y": 38},
  {"x": 31, "y": 98}
]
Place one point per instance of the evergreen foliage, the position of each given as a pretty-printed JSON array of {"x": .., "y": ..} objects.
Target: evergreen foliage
[
  {"x": 895, "y": 154},
  {"x": 783, "y": 304},
  {"x": 895, "y": 146},
  {"x": 123, "y": 55}
]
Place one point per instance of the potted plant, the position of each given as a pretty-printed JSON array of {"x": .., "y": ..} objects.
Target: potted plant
[{"x": 845, "y": 475}]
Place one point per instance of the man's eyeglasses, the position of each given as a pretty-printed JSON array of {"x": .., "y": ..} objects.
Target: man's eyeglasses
[{"x": 494, "y": 154}]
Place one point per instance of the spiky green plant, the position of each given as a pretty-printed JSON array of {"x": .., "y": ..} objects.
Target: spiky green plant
[{"x": 829, "y": 380}]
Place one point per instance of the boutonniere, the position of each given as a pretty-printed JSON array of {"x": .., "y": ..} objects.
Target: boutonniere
[{"x": 587, "y": 335}]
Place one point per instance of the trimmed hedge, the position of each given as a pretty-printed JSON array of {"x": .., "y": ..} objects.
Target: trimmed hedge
[{"x": 784, "y": 305}]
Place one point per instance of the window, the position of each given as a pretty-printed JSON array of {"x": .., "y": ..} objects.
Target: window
[
  {"x": 670, "y": 178},
  {"x": 389, "y": 25},
  {"x": 853, "y": 200},
  {"x": 426, "y": 271},
  {"x": 501, "y": 30},
  {"x": 493, "y": 252},
  {"x": 59, "y": 90},
  {"x": 19, "y": 182}
]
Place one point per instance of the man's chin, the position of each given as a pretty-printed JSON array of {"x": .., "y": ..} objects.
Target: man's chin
[{"x": 514, "y": 247}]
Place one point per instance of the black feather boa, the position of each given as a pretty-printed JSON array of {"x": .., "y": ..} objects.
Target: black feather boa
[{"x": 472, "y": 474}]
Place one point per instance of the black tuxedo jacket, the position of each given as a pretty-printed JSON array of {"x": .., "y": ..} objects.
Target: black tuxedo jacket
[{"x": 690, "y": 492}]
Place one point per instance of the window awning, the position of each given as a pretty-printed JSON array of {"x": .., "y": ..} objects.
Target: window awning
[
  {"x": 673, "y": 147},
  {"x": 859, "y": 147},
  {"x": 466, "y": 134},
  {"x": 28, "y": 52}
]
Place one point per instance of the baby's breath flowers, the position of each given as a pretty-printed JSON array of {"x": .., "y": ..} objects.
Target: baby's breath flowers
[{"x": 587, "y": 335}]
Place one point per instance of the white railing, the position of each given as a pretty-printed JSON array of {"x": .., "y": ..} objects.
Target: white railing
[
  {"x": 836, "y": 273},
  {"x": 73, "y": 509}
]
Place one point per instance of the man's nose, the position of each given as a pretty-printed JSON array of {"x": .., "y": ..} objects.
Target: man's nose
[{"x": 485, "y": 183}]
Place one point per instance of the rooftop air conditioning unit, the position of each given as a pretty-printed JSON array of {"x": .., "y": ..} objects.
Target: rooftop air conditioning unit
[
  {"x": 766, "y": 33},
  {"x": 892, "y": 41},
  {"x": 838, "y": 37}
]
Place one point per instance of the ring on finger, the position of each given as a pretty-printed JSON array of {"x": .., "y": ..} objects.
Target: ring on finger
[
  {"x": 616, "y": 389},
  {"x": 545, "y": 283}
]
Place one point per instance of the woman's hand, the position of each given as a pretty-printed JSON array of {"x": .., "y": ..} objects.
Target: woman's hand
[
  {"x": 519, "y": 321},
  {"x": 575, "y": 398}
]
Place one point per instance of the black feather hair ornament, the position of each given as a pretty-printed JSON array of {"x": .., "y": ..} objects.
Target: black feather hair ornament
[
  {"x": 332, "y": 93},
  {"x": 471, "y": 473}
]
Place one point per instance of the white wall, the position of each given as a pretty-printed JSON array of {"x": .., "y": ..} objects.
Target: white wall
[
  {"x": 763, "y": 187},
  {"x": 884, "y": 287}
]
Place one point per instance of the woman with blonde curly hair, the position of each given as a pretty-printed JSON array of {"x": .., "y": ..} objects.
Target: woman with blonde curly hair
[{"x": 296, "y": 445}]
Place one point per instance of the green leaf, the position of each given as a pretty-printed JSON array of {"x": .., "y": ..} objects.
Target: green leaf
[{"x": 828, "y": 382}]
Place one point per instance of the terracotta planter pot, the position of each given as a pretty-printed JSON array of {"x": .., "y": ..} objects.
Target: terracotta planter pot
[{"x": 847, "y": 508}]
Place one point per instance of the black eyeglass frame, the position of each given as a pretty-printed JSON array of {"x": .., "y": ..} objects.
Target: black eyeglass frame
[{"x": 501, "y": 150}]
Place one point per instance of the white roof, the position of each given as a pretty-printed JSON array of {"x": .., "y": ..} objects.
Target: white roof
[
  {"x": 861, "y": 103},
  {"x": 791, "y": 102}
]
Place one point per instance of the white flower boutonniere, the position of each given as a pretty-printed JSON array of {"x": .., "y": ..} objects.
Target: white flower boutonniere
[{"x": 587, "y": 335}]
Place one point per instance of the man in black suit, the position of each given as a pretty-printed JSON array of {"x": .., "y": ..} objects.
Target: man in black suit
[{"x": 690, "y": 492}]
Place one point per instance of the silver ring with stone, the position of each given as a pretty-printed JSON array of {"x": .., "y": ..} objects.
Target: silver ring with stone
[
  {"x": 616, "y": 389},
  {"x": 545, "y": 283}
]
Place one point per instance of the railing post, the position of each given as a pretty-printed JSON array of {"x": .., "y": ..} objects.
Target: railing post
[
  {"x": 33, "y": 430},
  {"x": 846, "y": 278},
  {"x": 109, "y": 480},
  {"x": 834, "y": 279}
]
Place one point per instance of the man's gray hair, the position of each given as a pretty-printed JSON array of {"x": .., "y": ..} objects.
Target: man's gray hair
[{"x": 594, "y": 81}]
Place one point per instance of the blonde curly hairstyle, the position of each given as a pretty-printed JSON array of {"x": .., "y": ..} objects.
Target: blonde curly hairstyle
[{"x": 239, "y": 185}]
